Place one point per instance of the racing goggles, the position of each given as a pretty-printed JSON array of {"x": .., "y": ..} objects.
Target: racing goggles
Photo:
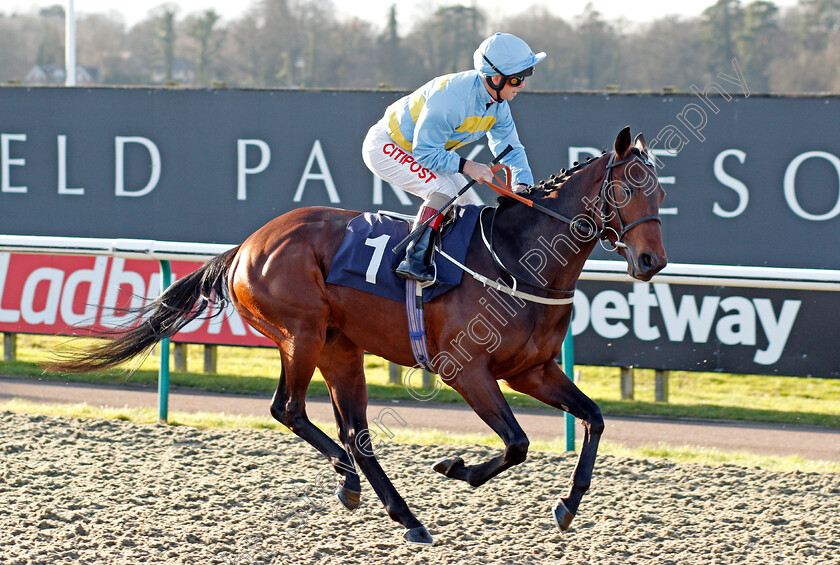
[
  {"x": 519, "y": 78},
  {"x": 513, "y": 80}
]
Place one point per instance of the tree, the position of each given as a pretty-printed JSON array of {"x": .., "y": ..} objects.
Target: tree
[
  {"x": 143, "y": 56},
  {"x": 445, "y": 42},
  {"x": 756, "y": 42},
  {"x": 599, "y": 58},
  {"x": 390, "y": 48},
  {"x": 242, "y": 53},
  {"x": 51, "y": 46},
  {"x": 201, "y": 29},
  {"x": 800, "y": 63},
  {"x": 101, "y": 43},
  {"x": 54, "y": 11},
  {"x": 303, "y": 43},
  {"x": 544, "y": 31},
  {"x": 723, "y": 23},
  {"x": 17, "y": 56},
  {"x": 276, "y": 27},
  {"x": 397, "y": 64},
  {"x": 166, "y": 39},
  {"x": 666, "y": 52},
  {"x": 820, "y": 21}
]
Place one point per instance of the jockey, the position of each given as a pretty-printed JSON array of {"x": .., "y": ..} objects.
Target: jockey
[{"x": 412, "y": 146}]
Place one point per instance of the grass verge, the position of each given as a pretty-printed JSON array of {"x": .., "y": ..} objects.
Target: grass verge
[
  {"x": 774, "y": 399},
  {"x": 206, "y": 420}
]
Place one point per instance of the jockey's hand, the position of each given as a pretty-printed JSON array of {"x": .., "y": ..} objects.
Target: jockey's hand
[
  {"x": 479, "y": 172},
  {"x": 520, "y": 187}
]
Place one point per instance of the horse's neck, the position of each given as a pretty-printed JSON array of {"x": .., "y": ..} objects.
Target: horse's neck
[{"x": 525, "y": 231}]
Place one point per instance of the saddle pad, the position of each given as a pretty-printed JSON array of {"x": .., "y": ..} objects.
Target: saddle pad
[{"x": 365, "y": 260}]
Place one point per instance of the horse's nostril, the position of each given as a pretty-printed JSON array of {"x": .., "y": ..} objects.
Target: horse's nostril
[{"x": 647, "y": 261}]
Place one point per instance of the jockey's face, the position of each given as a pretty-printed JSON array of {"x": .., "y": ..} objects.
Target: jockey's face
[{"x": 508, "y": 92}]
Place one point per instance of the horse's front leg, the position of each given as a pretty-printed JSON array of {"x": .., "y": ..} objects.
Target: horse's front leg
[
  {"x": 547, "y": 383},
  {"x": 482, "y": 393}
]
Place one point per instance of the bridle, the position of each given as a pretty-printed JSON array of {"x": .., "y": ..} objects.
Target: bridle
[
  {"x": 606, "y": 201},
  {"x": 577, "y": 225}
]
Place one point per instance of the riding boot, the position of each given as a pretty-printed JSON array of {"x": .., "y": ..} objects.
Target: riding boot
[{"x": 419, "y": 262}]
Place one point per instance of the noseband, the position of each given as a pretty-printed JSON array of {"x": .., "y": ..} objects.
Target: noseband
[{"x": 607, "y": 201}]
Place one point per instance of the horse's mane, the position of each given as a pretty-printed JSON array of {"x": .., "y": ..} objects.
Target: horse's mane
[{"x": 553, "y": 183}]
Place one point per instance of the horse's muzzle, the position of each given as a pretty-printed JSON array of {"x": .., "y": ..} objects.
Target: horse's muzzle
[{"x": 646, "y": 265}]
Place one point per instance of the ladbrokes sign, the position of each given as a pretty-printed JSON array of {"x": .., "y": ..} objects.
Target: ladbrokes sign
[{"x": 54, "y": 295}]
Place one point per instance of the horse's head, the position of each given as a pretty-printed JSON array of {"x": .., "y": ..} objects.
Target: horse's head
[{"x": 628, "y": 207}]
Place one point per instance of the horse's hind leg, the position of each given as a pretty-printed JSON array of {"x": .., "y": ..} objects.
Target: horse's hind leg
[
  {"x": 288, "y": 406},
  {"x": 342, "y": 365},
  {"x": 548, "y": 384}
]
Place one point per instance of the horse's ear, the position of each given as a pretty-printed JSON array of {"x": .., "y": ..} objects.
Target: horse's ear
[
  {"x": 622, "y": 142},
  {"x": 640, "y": 143}
]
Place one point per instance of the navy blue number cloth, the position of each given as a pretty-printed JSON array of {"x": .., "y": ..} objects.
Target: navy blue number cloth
[{"x": 365, "y": 260}]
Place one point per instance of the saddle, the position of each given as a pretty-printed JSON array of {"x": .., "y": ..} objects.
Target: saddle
[{"x": 365, "y": 260}]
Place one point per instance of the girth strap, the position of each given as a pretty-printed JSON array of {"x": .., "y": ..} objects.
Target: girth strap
[{"x": 416, "y": 323}]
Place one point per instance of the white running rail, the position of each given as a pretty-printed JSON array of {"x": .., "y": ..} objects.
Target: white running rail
[{"x": 594, "y": 270}]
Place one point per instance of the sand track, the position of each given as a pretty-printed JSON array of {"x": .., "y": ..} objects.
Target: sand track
[{"x": 97, "y": 491}]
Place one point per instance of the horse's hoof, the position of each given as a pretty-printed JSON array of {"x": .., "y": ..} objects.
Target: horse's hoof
[
  {"x": 562, "y": 516},
  {"x": 349, "y": 498},
  {"x": 419, "y": 535},
  {"x": 445, "y": 465}
]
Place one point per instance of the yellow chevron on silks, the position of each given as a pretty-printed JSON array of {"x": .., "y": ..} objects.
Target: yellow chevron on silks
[
  {"x": 395, "y": 133},
  {"x": 477, "y": 123},
  {"x": 450, "y": 145},
  {"x": 415, "y": 107}
]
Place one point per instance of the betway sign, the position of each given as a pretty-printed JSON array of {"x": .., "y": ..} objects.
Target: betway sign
[
  {"x": 735, "y": 320},
  {"x": 704, "y": 328},
  {"x": 646, "y": 325}
]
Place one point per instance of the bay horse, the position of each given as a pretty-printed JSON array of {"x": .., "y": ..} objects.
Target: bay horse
[{"x": 276, "y": 279}]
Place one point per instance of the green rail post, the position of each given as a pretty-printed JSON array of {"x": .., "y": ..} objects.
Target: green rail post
[
  {"x": 567, "y": 354},
  {"x": 163, "y": 371}
]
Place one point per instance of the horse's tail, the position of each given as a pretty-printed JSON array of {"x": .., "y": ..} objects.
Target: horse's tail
[{"x": 184, "y": 301}]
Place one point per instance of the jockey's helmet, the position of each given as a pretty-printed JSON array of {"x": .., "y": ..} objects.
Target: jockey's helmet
[{"x": 505, "y": 54}]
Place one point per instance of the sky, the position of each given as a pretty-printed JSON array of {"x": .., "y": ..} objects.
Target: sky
[{"x": 375, "y": 11}]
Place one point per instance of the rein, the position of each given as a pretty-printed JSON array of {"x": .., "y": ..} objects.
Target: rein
[{"x": 503, "y": 188}]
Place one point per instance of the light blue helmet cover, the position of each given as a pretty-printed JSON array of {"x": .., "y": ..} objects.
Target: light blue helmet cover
[{"x": 508, "y": 53}]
